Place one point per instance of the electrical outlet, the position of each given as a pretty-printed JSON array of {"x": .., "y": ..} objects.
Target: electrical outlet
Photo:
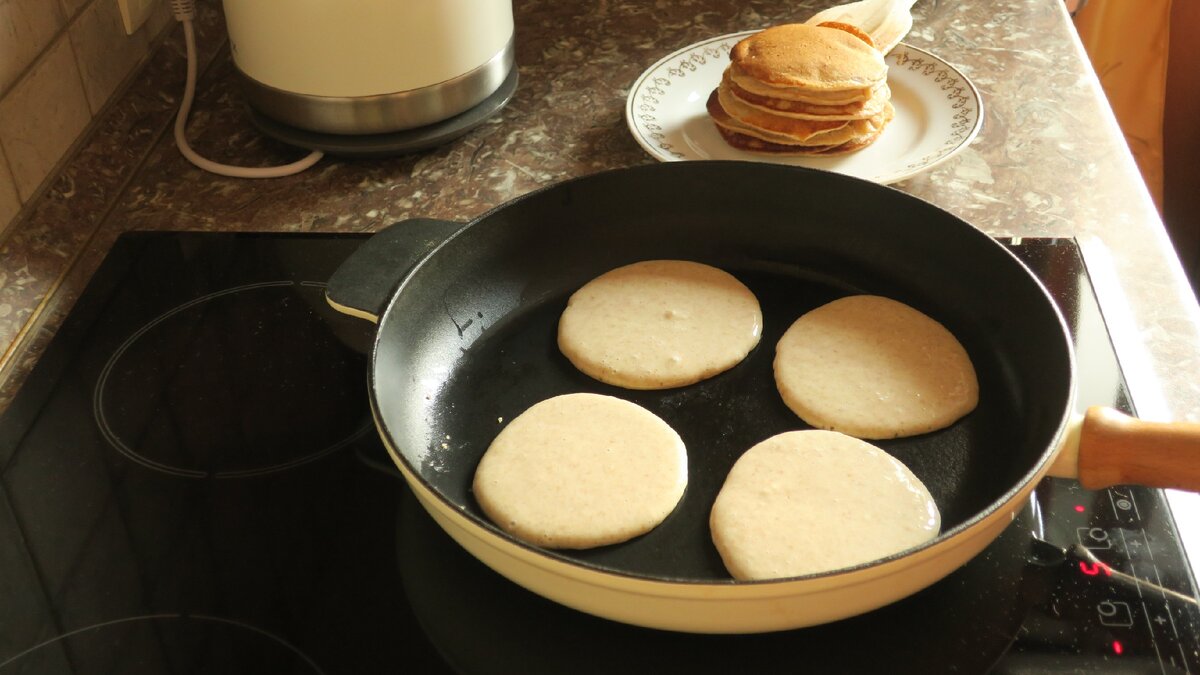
[{"x": 135, "y": 12}]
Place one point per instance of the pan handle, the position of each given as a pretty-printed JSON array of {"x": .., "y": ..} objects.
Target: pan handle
[
  {"x": 363, "y": 285},
  {"x": 1116, "y": 449}
]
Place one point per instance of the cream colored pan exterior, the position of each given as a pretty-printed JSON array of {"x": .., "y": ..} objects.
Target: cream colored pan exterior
[{"x": 732, "y": 607}]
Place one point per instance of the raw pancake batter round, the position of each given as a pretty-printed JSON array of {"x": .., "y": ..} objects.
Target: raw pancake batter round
[
  {"x": 659, "y": 324},
  {"x": 871, "y": 367},
  {"x": 581, "y": 470},
  {"x": 805, "y": 502}
]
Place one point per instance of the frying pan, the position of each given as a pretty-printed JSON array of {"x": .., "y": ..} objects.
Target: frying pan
[{"x": 465, "y": 342}]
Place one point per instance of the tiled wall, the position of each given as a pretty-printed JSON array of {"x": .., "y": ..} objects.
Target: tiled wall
[{"x": 60, "y": 63}]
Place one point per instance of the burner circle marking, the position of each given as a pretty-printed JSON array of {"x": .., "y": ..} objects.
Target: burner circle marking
[
  {"x": 157, "y": 617},
  {"x": 114, "y": 439}
]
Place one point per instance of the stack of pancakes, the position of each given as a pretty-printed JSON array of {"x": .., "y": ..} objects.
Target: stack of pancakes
[{"x": 798, "y": 89}]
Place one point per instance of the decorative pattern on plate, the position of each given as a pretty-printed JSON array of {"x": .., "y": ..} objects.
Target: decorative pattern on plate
[
  {"x": 963, "y": 98},
  {"x": 938, "y": 113},
  {"x": 675, "y": 67}
]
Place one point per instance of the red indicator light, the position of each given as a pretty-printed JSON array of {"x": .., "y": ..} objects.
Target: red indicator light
[
  {"x": 1093, "y": 569},
  {"x": 1079, "y": 508},
  {"x": 1118, "y": 648}
]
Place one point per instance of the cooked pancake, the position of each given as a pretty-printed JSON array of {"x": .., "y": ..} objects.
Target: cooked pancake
[
  {"x": 806, "y": 502},
  {"x": 744, "y": 137},
  {"x": 812, "y": 58},
  {"x": 838, "y": 97},
  {"x": 800, "y": 131},
  {"x": 803, "y": 90},
  {"x": 751, "y": 144},
  {"x": 659, "y": 324},
  {"x": 871, "y": 367},
  {"x": 725, "y": 122},
  {"x": 849, "y": 28},
  {"x": 796, "y": 129},
  {"x": 581, "y": 470},
  {"x": 810, "y": 111}
]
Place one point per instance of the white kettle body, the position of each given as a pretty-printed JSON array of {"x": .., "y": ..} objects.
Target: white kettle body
[{"x": 369, "y": 66}]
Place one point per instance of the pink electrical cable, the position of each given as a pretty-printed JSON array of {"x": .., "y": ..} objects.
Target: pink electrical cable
[{"x": 185, "y": 11}]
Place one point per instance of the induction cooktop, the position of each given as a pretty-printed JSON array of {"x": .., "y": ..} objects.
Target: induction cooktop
[{"x": 190, "y": 481}]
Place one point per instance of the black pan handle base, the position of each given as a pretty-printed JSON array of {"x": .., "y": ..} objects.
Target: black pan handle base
[{"x": 364, "y": 283}]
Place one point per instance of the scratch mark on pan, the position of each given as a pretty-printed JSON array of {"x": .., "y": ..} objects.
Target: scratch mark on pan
[{"x": 450, "y": 315}]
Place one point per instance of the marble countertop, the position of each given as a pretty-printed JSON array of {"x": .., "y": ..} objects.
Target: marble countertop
[{"x": 1049, "y": 161}]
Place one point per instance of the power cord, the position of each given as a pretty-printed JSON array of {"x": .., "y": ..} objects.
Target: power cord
[{"x": 185, "y": 13}]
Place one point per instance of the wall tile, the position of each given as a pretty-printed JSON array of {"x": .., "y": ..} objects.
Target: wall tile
[
  {"x": 72, "y": 7},
  {"x": 10, "y": 203},
  {"x": 158, "y": 21},
  {"x": 105, "y": 54},
  {"x": 41, "y": 117},
  {"x": 26, "y": 27}
]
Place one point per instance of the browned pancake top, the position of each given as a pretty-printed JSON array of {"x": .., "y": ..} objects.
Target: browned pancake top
[{"x": 811, "y": 57}]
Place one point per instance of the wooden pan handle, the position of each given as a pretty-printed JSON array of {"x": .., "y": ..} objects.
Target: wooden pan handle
[{"x": 1116, "y": 449}]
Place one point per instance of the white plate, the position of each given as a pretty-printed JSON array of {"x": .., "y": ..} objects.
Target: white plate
[{"x": 938, "y": 112}]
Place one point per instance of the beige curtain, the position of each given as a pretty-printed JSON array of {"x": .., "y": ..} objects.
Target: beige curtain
[{"x": 1127, "y": 42}]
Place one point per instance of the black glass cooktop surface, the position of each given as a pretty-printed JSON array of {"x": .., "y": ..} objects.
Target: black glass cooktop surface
[{"x": 190, "y": 483}]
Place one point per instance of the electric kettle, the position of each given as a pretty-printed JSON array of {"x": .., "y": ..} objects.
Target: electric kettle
[{"x": 369, "y": 66}]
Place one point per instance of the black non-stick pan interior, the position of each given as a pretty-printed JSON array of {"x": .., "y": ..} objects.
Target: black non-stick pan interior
[{"x": 468, "y": 342}]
